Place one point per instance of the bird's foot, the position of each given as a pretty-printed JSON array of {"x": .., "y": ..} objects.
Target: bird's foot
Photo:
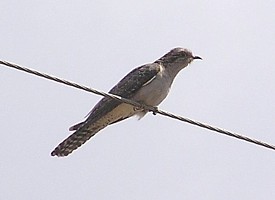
[{"x": 155, "y": 110}]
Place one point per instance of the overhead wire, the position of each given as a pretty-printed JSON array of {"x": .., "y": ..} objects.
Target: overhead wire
[{"x": 154, "y": 110}]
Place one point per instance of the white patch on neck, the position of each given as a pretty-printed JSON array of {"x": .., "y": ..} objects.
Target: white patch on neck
[{"x": 161, "y": 69}]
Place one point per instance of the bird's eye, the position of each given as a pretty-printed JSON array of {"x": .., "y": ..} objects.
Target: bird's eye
[{"x": 183, "y": 54}]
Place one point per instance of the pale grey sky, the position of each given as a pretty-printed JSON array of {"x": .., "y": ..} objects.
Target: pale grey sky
[{"x": 96, "y": 43}]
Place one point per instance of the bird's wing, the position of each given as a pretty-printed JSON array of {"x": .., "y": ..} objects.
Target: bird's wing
[
  {"x": 99, "y": 117},
  {"x": 126, "y": 88}
]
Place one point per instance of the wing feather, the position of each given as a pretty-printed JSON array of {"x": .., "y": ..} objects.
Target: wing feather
[{"x": 126, "y": 88}]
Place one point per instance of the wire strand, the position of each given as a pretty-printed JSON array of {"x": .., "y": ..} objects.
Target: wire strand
[{"x": 149, "y": 108}]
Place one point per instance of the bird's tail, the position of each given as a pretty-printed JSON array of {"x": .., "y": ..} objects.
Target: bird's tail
[
  {"x": 76, "y": 126},
  {"x": 75, "y": 140}
]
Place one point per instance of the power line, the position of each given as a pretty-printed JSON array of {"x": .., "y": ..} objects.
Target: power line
[{"x": 150, "y": 108}]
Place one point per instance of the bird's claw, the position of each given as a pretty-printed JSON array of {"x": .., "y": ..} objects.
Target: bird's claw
[{"x": 155, "y": 110}]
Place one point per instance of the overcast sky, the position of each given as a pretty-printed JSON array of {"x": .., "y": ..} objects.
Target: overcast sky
[{"x": 96, "y": 43}]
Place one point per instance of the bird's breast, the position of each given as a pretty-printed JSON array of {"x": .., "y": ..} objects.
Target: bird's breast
[{"x": 154, "y": 92}]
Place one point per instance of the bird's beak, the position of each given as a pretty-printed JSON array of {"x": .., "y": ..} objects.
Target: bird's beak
[{"x": 197, "y": 57}]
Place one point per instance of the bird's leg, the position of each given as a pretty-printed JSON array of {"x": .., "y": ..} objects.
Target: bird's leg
[{"x": 155, "y": 110}]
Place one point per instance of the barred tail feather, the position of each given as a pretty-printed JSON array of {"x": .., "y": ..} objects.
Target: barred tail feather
[{"x": 75, "y": 140}]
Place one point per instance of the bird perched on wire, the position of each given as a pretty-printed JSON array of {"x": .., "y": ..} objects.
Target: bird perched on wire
[{"x": 148, "y": 84}]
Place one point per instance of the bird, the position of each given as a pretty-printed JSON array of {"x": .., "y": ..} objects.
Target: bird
[{"x": 148, "y": 84}]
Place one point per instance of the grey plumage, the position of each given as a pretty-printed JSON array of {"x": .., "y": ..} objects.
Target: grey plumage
[{"x": 148, "y": 84}]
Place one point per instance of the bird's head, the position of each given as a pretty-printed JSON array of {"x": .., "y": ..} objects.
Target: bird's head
[{"x": 178, "y": 56}]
